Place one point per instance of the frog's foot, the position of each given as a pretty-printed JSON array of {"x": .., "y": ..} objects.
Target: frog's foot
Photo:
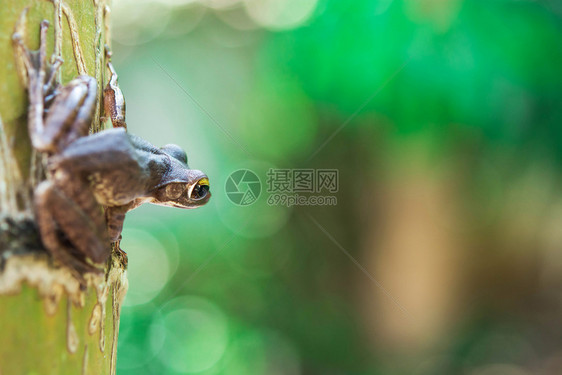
[
  {"x": 71, "y": 235},
  {"x": 40, "y": 78},
  {"x": 114, "y": 217},
  {"x": 35, "y": 61},
  {"x": 120, "y": 254}
]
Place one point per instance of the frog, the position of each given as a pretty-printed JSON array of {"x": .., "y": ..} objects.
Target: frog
[{"x": 93, "y": 180}]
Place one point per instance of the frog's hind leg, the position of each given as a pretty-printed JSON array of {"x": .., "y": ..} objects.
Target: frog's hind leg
[
  {"x": 71, "y": 113},
  {"x": 39, "y": 77},
  {"x": 70, "y": 108},
  {"x": 34, "y": 63},
  {"x": 79, "y": 219}
]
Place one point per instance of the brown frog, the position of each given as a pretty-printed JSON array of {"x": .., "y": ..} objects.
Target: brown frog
[{"x": 111, "y": 168}]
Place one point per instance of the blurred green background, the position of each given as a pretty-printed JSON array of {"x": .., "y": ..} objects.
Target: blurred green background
[{"x": 442, "y": 255}]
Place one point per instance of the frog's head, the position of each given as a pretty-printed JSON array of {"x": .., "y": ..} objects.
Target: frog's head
[{"x": 183, "y": 187}]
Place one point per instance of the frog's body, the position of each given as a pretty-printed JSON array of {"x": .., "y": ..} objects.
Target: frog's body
[
  {"x": 124, "y": 169},
  {"x": 113, "y": 168}
]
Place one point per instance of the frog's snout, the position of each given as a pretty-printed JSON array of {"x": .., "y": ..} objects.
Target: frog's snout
[{"x": 200, "y": 190}]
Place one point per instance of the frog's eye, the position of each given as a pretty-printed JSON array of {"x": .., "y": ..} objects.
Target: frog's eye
[
  {"x": 200, "y": 190},
  {"x": 176, "y": 152},
  {"x": 174, "y": 191}
]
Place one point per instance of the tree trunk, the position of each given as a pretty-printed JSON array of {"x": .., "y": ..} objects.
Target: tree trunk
[{"x": 50, "y": 322}]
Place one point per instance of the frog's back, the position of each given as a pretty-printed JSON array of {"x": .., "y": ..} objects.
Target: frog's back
[{"x": 108, "y": 149}]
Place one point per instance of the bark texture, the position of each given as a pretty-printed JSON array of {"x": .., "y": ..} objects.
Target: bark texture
[{"x": 50, "y": 323}]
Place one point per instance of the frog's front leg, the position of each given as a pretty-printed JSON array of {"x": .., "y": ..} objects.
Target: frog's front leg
[
  {"x": 115, "y": 216},
  {"x": 72, "y": 227}
]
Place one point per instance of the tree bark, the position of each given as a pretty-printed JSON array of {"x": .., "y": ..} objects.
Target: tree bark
[{"x": 50, "y": 321}]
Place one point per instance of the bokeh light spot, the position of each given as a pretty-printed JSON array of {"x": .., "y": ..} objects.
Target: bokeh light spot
[
  {"x": 139, "y": 21},
  {"x": 262, "y": 352},
  {"x": 280, "y": 14},
  {"x": 190, "y": 336},
  {"x": 221, "y": 4},
  {"x": 146, "y": 251},
  {"x": 499, "y": 369}
]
